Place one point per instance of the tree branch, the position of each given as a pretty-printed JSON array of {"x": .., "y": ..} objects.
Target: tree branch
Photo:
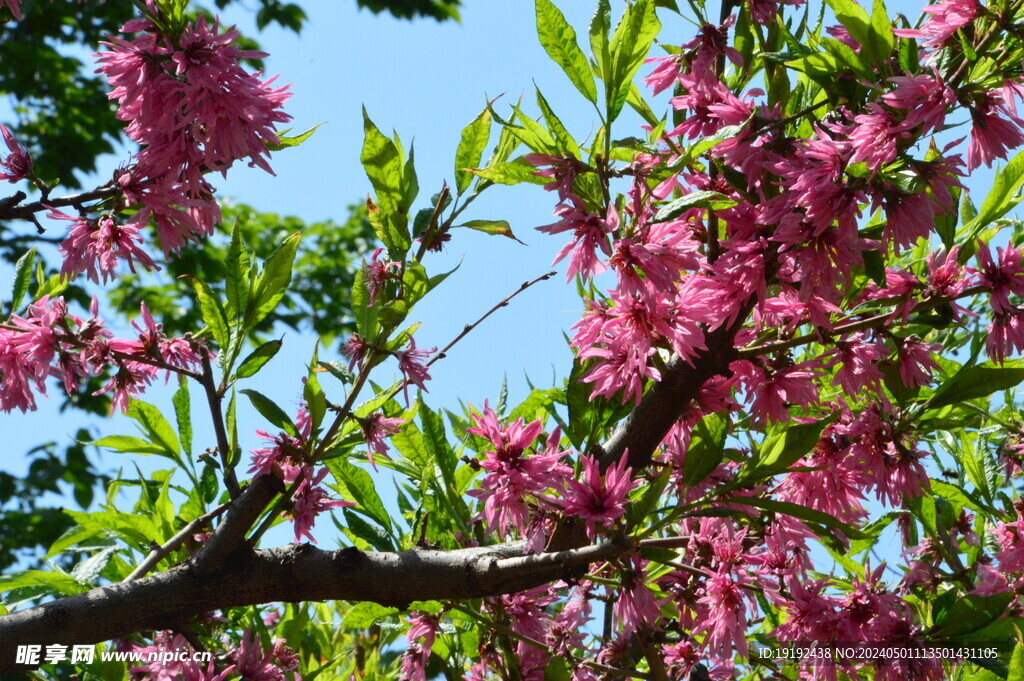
[{"x": 290, "y": 574}]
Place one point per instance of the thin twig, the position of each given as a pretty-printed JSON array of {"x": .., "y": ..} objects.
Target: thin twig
[
  {"x": 172, "y": 544},
  {"x": 213, "y": 399},
  {"x": 504, "y": 301},
  {"x": 28, "y": 210}
]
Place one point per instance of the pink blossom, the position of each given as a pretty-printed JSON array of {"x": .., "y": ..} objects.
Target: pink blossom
[
  {"x": 947, "y": 17},
  {"x": 635, "y": 607},
  {"x": 251, "y": 663},
  {"x": 378, "y": 273},
  {"x": 835, "y": 486},
  {"x": 422, "y": 631},
  {"x": 512, "y": 477},
  {"x": 665, "y": 74},
  {"x": 95, "y": 246},
  {"x": 924, "y": 97},
  {"x": 915, "y": 360},
  {"x": 376, "y": 427},
  {"x": 18, "y": 164},
  {"x": 723, "y": 618},
  {"x": 410, "y": 363},
  {"x": 1002, "y": 276},
  {"x": 622, "y": 368},
  {"x": 309, "y": 501},
  {"x": 991, "y": 137},
  {"x": 1010, "y": 538},
  {"x": 1005, "y": 334},
  {"x": 562, "y": 172},
  {"x": 989, "y": 581},
  {"x": 858, "y": 364},
  {"x": 590, "y": 233},
  {"x": 284, "y": 458},
  {"x": 771, "y": 392},
  {"x": 599, "y": 502}
]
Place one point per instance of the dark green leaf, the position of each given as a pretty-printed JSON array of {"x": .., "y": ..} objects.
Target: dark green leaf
[
  {"x": 270, "y": 411},
  {"x": 22, "y": 278},
  {"x": 258, "y": 358}
]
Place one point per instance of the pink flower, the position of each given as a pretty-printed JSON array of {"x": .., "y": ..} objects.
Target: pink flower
[
  {"x": 590, "y": 233},
  {"x": 924, "y": 97},
  {"x": 251, "y": 663},
  {"x": 376, "y": 427},
  {"x": 947, "y": 17},
  {"x": 18, "y": 164},
  {"x": 95, "y": 246},
  {"x": 284, "y": 458},
  {"x": 309, "y": 501},
  {"x": 15, "y": 8},
  {"x": 422, "y": 631},
  {"x": 621, "y": 367},
  {"x": 858, "y": 364},
  {"x": 378, "y": 273},
  {"x": 1002, "y": 276},
  {"x": 635, "y": 607},
  {"x": 916, "y": 363},
  {"x": 512, "y": 477},
  {"x": 771, "y": 392},
  {"x": 410, "y": 363},
  {"x": 834, "y": 487},
  {"x": 723, "y": 618},
  {"x": 991, "y": 137},
  {"x": 665, "y": 74},
  {"x": 562, "y": 171},
  {"x": 1010, "y": 537},
  {"x": 1005, "y": 334},
  {"x": 599, "y": 502}
]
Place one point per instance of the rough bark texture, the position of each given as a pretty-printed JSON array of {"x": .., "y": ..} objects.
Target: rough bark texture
[{"x": 289, "y": 574}]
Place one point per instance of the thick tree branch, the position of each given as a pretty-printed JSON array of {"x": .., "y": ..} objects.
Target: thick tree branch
[{"x": 290, "y": 574}]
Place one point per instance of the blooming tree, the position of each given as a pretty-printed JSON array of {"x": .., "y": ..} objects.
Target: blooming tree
[{"x": 788, "y": 445}]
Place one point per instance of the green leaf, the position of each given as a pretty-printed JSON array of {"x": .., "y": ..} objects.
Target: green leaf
[
  {"x": 362, "y": 615},
  {"x": 566, "y": 144},
  {"x": 273, "y": 281},
  {"x": 782, "y": 449},
  {"x": 559, "y": 40},
  {"x": 855, "y": 20},
  {"x": 964, "y": 614},
  {"x": 52, "y": 582},
  {"x": 972, "y": 382},
  {"x": 366, "y": 316},
  {"x": 511, "y": 172},
  {"x": 212, "y": 312},
  {"x": 236, "y": 284},
  {"x": 374, "y": 536},
  {"x": 599, "y": 29},
  {"x": 313, "y": 395},
  {"x": 130, "y": 444},
  {"x": 471, "y": 149},
  {"x": 706, "y": 448},
  {"x": 1016, "y": 671},
  {"x": 496, "y": 227},
  {"x": 357, "y": 485},
  {"x": 882, "y": 37},
  {"x": 183, "y": 414},
  {"x": 629, "y": 47},
  {"x": 799, "y": 512},
  {"x": 270, "y": 411},
  {"x": 383, "y": 165},
  {"x": 1003, "y": 196},
  {"x": 154, "y": 425},
  {"x": 258, "y": 358},
  {"x": 286, "y": 141},
  {"x": 699, "y": 199},
  {"x": 22, "y": 278}
]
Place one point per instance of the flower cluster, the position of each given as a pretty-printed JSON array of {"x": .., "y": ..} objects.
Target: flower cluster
[{"x": 49, "y": 341}]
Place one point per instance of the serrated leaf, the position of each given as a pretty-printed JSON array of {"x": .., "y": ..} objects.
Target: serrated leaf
[
  {"x": 972, "y": 382},
  {"x": 383, "y": 165},
  {"x": 212, "y": 312},
  {"x": 129, "y": 444},
  {"x": 258, "y": 358},
  {"x": 286, "y": 141},
  {"x": 511, "y": 172},
  {"x": 22, "y": 278},
  {"x": 558, "y": 39},
  {"x": 273, "y": 281},
  {"x": 496, "y": 227},
  {"x": 471, "y": 149},
  {"x": 362, "y": 615},
  {"x": 154, "y": 425},
  {"x": 270, "y": 411},
  {"x": 699, "y": 199},
  {"x": 236, "y": 284},
  {"x": 183, "y": 414},
  {"x": 357, "y": 485}
]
